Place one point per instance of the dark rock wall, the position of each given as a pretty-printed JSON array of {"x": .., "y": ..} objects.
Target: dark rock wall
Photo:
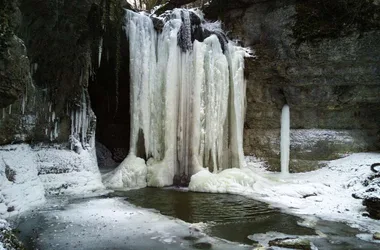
[
  {"x": 14, "y": 72},
  {"x": 320, "y": 57},
  {"x": 109, "y": 88},
  {"x": 44, "y": 78},
  {"x": 14, "y": 65}
]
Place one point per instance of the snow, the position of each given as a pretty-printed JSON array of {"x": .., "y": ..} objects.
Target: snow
[
  {"x": 131, "y": 173},
  {"x": 29, "y": 173},
  {"x": 26, "y": 189},
  {"x": 3, "y": 223},
  {"x": 325, "y": 193}
]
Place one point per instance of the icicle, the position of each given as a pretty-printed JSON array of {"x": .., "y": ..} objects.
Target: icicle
[
  {"x": 23, "y": 101},
  {"x": 56, "y": 130},
  {"x": 72, "y": 119},
  {"x": 3, "y": 113},
  {"x": 10, "y": 109},
  {"x": 84, "y": 119},
  {"x": 100, "y": 51}
]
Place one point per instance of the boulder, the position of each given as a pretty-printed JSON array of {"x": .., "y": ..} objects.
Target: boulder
[
  {"x": 292, "y": 243},
  {"x": 373, "y": 207},
  {"x": 376, "y": 236}
]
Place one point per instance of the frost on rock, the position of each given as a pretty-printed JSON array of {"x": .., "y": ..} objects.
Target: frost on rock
[
  {"x": 131, "y": 173},
  {"x": 28, "y": 174},
  {"x": 187, "y": 96}
]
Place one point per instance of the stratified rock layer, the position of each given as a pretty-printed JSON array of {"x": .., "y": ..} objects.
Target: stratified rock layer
[{"x": 322, "y": 62}]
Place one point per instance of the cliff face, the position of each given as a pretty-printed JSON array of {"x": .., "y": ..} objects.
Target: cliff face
[
  {"x": 14, "y": 64},
  {"x": 45, "y": 75},
  {"x": 50, "y": 52},
  {"x": 318, "y": 56},
  {"x": 321, "y": 58}
]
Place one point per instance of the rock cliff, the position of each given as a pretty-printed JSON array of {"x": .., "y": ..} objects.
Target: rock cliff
[
  {"x": 59, "y": 60},
  {"x": 322, "y": 59}
]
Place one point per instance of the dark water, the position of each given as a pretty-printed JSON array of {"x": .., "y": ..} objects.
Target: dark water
[
  {"x": 235, "y": 217},
  {"x": 232, "y": 217}
]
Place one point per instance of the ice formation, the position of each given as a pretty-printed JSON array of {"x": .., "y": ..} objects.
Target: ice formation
[
  {"x": 80, "y": 124},
  {"x": 285, "y": 139},
  {"x": 187, "y": 96}
]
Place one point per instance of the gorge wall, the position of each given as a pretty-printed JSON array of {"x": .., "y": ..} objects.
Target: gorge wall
[
  {"x": 319, "y": 57},
  {"x": 49, "y": 51},
  {"x": 62, "y": 60}
]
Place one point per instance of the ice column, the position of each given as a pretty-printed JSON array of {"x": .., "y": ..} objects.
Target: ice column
[{"x": 285, "y": 139}]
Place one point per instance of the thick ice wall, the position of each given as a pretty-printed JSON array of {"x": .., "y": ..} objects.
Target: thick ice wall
[
  {"x": 216, "y": 101},
  {"x": 187, "y": 99},
  {"x": 235, "y": 56},
  {"x": 142, "y": 39}
]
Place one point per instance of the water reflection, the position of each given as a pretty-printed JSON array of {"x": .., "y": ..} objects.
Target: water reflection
[{"x": 231, "y": 217}]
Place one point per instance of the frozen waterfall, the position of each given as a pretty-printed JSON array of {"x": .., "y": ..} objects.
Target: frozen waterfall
[{"x": 187, "y": 99}]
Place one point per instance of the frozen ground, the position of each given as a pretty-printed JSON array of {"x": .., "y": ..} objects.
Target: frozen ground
[
  {"x": 28, "y": 173},
  {"x": 112, "y": 223},
  {"x": 24, "y": 180},
  {"x": 325, "y": 193}
]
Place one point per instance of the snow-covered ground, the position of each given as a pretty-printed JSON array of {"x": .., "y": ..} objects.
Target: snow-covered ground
[
  {"x": 28, "y": 173},
  {"x": 325, "y": 193}
]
